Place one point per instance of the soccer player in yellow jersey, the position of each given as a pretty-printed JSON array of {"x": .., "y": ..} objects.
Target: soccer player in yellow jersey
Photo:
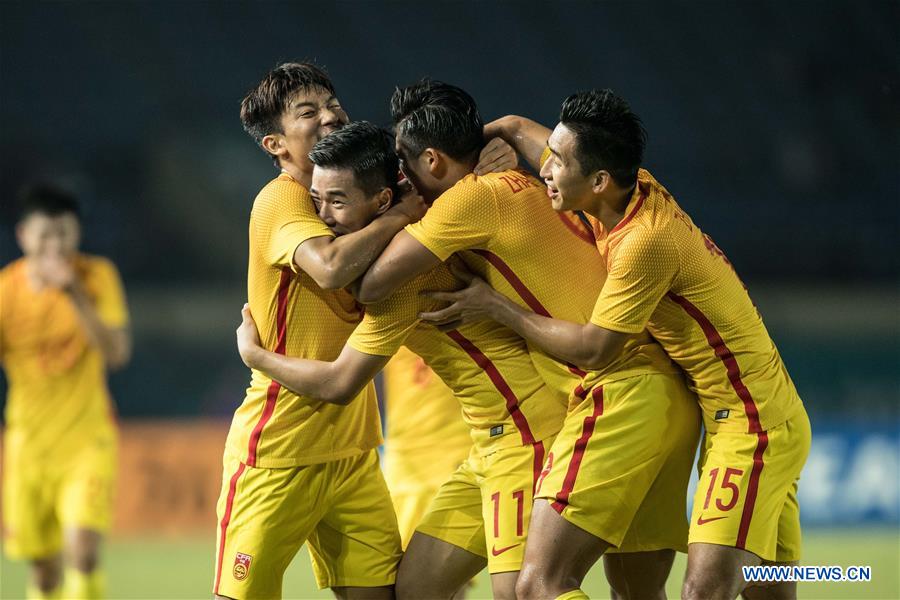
[
  {"x": 633, "y": 424},
  {"x": 296, "y": 469},
  {"x": 425, "y": 437},
  {"x": 63, "y": 323},
  {"x": 480, "y": 515},
  {"x": 665, "y": 274}
]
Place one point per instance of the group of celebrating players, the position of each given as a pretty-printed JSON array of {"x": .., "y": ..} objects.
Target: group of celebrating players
[{"x": 586, "y": 339}]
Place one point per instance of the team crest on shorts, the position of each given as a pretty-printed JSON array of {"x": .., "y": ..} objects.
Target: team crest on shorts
[{"x": 241, "y": 565}]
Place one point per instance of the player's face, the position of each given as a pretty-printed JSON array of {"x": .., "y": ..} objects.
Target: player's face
[
  {"x": 567, "y": 186},
  {"x": 341, "y": 204},
  {"x": 311, "y": 115},
  {"x": 41, "y": 235},
  {"x": 415, "y": 169}
]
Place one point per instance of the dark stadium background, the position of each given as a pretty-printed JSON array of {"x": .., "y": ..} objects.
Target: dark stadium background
[{"x": 776, "y": 125}]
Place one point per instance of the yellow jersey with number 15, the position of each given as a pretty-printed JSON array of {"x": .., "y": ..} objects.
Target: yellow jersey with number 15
[{"x": 666, "y": 275}]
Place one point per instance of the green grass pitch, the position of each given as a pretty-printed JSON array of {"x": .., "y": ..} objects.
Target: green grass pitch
[{"x": 157, "y": 568}]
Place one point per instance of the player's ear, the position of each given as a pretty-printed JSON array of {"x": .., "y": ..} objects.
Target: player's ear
[
  {"x": 434, "y": 162},
  {"x": 274, "y": 144},
  {"x": 600, "y": 181},
  {"x": 385, "y": 197}
]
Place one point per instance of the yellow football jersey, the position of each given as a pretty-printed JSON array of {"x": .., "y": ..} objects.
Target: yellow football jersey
[
  {"x": 274, "y": 427},
  {"x": 541, "y": 259},
  {"x": 58, "y": 399},
  {"x": 504, "y": 400},
  {"x": 669, "y": 277},
  {"x": 423, "y": 415}
]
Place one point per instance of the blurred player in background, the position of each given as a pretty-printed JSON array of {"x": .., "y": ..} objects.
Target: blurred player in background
[
  {"x": 426, "y": 438},
  {"x": 480, "y": 514},
  {"x": 625, "y": 474},
  {"x": 666, "y": 275},
  {"x": 63, "y": 323}
]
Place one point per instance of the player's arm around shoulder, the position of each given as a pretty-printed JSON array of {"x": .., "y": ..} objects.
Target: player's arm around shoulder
[
  {"x": 336, "y": 382},
  {"x": 336, "y": 262},
  {"x": 527, "y": 137}
]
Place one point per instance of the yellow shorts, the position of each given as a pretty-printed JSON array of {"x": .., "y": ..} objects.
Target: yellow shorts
[
  {"x": 487, "y": 503},
  {"x": 41, "y": 498},
  {"x": 620, "y": 467},
  {"x": 747, "y": 495},
  {"x": 414, "y": 478},
  {"x": 341, "y": 508}
]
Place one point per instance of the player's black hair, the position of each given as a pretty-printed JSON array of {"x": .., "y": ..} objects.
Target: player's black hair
[
  {"x": 366, "y": 149},
  {"x": 46, "y": 199},
  {"x": 608, "y": 135},
  {"x": 434, "y": 114},
  {"x": 262, "y": 107}
]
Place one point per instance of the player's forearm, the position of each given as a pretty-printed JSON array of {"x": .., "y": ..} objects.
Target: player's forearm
[
  {"x": 350, "y": 255},
  {"x": 114, "y": 343},
  {"x": 563, "y": 340},
  {"x": 527, "y": 137},
  {"x": 311, "y": 378}
]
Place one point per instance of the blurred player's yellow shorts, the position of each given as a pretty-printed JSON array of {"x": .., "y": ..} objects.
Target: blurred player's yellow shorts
[
  {"x": 485, "y": 506},
  {"x": 747, "y": 495},
  {"x": 44, "y": 495},
  {"x": 414, "y": 478},
  {"x": 620, "y": 467},
  {"x": 341, "y": 508}
]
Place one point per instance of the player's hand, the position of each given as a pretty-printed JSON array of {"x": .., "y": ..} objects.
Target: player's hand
[
  {"x": 248, "y": 338},
  {"x": 496, "y": 156},
  {"x": 411, "y": 205},
  {"x": 468, "y": 305},
  {"x": 56, "y": 271}
]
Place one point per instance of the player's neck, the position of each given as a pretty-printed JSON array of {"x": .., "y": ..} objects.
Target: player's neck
[
  {"x": 455, "y": 172},
  {"x": 610, "y": 210},
  {"x": 299, "y": 175}
]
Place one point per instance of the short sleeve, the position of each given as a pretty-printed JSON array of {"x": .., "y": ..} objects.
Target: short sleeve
[
  {"x": 109, "y": 294},
  {"x": 387, "y": 324},
  {"x": 642, "y": 267},
  {"x": 285, "y": 217},
  {"x": 465, "y": 216}
]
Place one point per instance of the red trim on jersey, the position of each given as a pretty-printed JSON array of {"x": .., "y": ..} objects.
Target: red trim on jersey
[
  {"x": 538, "y": 466},
  {"x": 726, "y": 356},
  {"x": 274, "y": 387},
  {"x": 512, "y": 402},
  {"x": 226, "y": 519},
  {"x": 587, "y": 430},
  {"x": 752, "y": 488},
  {"x": 577, "y": 230},
  {"x": 519, "y": 286},
  {"x": 630, "y": 216}
]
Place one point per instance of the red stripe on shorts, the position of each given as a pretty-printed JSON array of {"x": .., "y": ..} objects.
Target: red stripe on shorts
[
  {"x": 522, "y": 290},
  {"x": 274, "y": 387},
  {"x": 715, "y": 341},
  {"x": 752, "y": 488},
  {"x": 587, "y": 430},
  {"x": 538, "y": 465},
  {"x": 226, "y": 518},
  {"x": 512, "y": 402}
]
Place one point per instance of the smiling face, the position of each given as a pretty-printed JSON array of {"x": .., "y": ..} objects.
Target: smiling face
[
  {"x": 568, "y": 187},
  {"x": 342, "y": 204},
  {"x": 311, "y": 114}
]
